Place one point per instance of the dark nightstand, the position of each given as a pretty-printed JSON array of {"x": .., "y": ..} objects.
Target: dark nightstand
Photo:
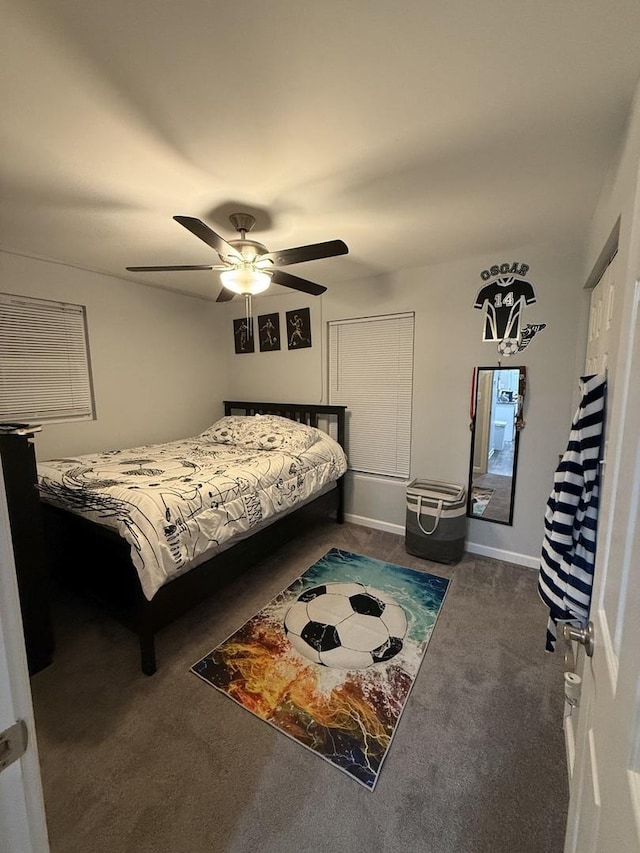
[{"x": 20, "y": 479}]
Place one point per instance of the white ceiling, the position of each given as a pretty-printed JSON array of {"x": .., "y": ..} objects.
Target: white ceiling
[{"x": 415, "y": 131}]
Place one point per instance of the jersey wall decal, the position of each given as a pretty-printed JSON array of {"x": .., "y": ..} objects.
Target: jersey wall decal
[{"x": 502, "y": 299}]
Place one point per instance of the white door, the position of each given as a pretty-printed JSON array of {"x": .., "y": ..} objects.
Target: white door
[
  {"x": 604, "y": 322},
  {"x": 604, "y": 809},
  {"x": 22, "y": 819},
  {"x": 483, "y": 424}
]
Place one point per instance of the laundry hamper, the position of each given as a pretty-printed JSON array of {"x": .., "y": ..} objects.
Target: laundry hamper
[{"x": 436, "y": 520}]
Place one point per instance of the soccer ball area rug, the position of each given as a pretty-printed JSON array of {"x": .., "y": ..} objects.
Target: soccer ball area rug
[{"x": 331, "y": 660}]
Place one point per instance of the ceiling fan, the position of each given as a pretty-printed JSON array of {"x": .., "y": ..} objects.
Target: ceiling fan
[{"x": 247, "y": 266}]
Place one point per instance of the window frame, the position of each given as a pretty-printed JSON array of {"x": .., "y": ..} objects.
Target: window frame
[
  {"x": 70, "y": 342},
  {"x": 400, "y": 470}
]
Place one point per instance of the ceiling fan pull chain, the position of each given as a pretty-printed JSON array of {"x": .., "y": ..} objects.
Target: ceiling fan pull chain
[{"x": 249, "y": 318}]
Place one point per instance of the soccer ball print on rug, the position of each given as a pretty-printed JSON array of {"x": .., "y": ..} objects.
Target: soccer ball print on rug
[{"x": 332, "y": 659}]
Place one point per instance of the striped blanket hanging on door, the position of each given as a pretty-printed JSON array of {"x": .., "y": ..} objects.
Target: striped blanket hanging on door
[{"x": 571, "y": 516}]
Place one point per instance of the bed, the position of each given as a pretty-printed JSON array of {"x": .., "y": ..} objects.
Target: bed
[{"x": 153, "y": 530}]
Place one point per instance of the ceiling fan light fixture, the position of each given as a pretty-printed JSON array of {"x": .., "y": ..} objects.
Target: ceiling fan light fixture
[
  {"x": 245, "y": 280},
  {"x": 248, "y": 268}
]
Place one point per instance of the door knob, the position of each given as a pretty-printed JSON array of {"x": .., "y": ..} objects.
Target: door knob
[{"x": 584, "y": 636}]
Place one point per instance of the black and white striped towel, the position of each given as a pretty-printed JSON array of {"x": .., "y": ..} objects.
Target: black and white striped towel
[{"x": 571, "y": 516}]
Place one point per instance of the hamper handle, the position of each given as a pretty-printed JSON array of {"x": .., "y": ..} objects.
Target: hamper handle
[{"x": 437, "y": 519}]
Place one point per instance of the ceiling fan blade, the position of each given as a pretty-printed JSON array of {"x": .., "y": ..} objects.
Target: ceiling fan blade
[
  {"x": 293, "y": 281},
  {"x": 313, "y": 252},
  {"x": 225, "y": 295},
  {"x": 171, "y": 269},
  {"x": 203, "y": 232}
]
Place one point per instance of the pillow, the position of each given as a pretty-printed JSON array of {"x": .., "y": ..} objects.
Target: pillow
[
  {"x": 262, "y": 432},
  {"x": 223, "y": 431}
]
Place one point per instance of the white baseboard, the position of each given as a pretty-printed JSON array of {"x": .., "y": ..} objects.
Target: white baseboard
[
  {"x": 505, "y": 556},
  {"x": 471, "y": 547},
  {"x": 569, "y": 740},
  {"x": 375, "y": 524}
]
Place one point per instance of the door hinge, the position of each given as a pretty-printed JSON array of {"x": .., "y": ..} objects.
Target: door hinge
[{"x": 13, "y": 744}]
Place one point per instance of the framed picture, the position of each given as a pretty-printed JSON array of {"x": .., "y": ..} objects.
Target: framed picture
[
  {"x": 299, "y": 328},
  {"x": 243, "y": 335},
  {"x": 269, "y": 332}
]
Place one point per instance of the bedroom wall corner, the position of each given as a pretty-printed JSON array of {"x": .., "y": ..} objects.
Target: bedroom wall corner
[
  {"x": 448, "y": 344},
  {"x": 279, "y": 376}
]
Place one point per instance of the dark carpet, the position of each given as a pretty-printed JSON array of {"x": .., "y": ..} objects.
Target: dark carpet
[{"x": 133, "y": 764}]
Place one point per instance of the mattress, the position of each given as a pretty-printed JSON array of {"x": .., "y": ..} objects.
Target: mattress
[{"x": 180, "y": 502}]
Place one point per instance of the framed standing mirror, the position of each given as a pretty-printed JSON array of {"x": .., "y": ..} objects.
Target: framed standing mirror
[{"x": 497, "y": 399}]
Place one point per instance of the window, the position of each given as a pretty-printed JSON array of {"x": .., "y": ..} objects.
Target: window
[
  {"x": 45, "y": 371},
  {"x": 371, "y": 372}
]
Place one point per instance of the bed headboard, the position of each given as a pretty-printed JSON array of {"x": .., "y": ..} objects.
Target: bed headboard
[{"x": 304, "y": 413}]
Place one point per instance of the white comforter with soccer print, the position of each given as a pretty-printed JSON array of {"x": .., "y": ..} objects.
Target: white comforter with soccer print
[{"x": 177, "y": 503}]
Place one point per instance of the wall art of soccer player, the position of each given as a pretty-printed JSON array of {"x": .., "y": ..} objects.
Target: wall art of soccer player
[
  {"x": 503, "y": 298},
  {"x": 299, "y": 328},
  {"x": 243, "y": 335},
  {"x": 269, "y": 332}
]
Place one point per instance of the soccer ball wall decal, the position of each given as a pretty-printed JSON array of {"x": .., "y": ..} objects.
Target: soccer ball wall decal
[
  {"x": 508, "y": 346},
  {"x": 346, "y": 625}
]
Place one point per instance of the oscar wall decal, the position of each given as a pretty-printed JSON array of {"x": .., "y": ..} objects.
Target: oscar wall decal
[{"x": 502, "y": 298}]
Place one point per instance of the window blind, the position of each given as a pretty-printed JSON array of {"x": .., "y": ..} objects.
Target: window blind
[
  {"x": 44, "y": 361},
  {"x": 371, "y": 372}
]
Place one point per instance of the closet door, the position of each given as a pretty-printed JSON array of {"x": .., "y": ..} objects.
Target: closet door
[
  {"x": 604, "y": 808},
  {"x": 604, "y": 325}
]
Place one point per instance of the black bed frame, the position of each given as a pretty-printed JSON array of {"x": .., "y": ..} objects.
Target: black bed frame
[{"x": 112, "y": 579}]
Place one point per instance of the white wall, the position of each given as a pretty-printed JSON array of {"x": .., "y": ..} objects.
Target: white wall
[
  {"x": 448, "y": 344},
  {"x": 281, "y": 376},
  {"x": 158, "y": 360},
  {"x": 618, "y": 193}
]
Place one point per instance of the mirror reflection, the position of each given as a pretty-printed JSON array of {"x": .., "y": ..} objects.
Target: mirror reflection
[{"x": 496, "y": 407}]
